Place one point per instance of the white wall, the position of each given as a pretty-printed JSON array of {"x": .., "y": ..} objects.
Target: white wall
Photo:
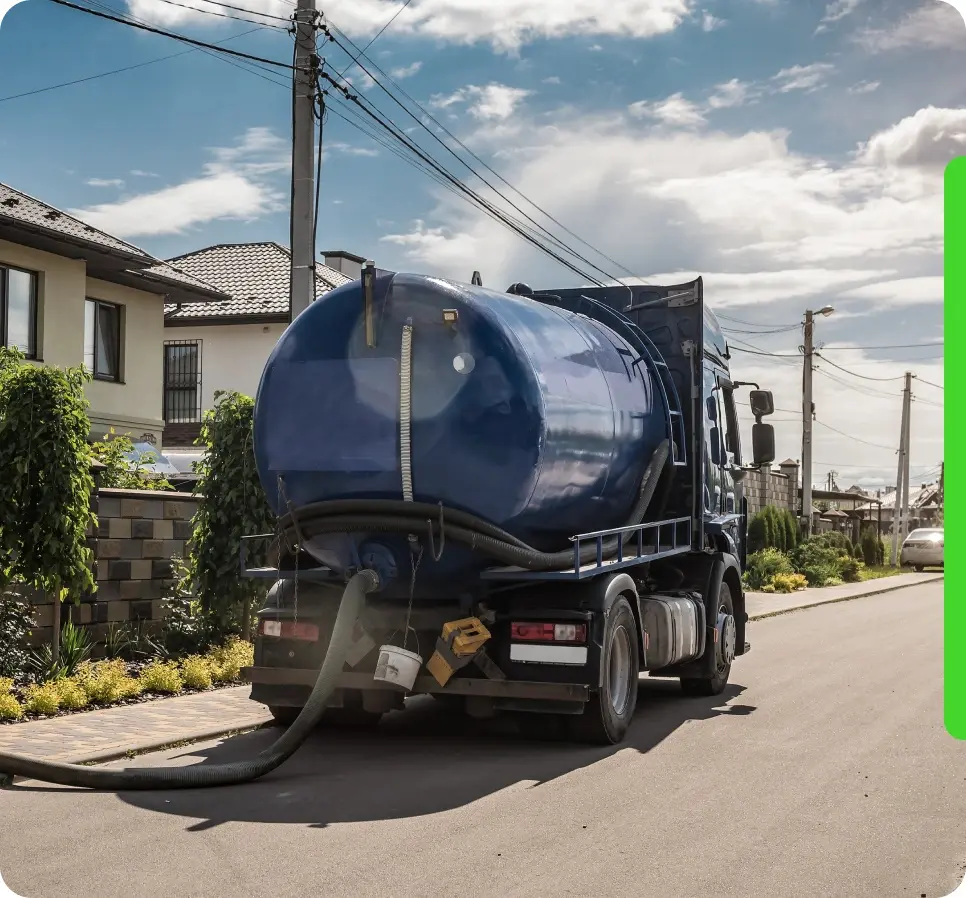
[
  {"x": 232, "y": 355},
  {"x": 132, "y": 406}
]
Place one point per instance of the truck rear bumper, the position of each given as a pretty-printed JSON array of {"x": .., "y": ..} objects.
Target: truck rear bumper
[{"x": 425, "y": 685}]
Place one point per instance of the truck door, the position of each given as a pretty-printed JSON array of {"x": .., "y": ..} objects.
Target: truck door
[
  {"x": 713, "y": 445},
  {"x": 731, "y": 439}
]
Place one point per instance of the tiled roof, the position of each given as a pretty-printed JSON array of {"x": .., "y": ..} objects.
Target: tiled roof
[
  {"x": 18, "y": 208},
  {"x": 168, "y": 274},
  {"x": 255, "y": 275}
]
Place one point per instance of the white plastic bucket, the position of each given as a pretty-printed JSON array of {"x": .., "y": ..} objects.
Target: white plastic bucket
[{"x": 397, "y": 666}]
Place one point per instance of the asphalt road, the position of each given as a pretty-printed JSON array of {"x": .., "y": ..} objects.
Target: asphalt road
[{"x": 825, "y": 771}]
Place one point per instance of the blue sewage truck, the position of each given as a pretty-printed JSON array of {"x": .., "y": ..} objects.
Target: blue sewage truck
[{"x": 548, "y": 484}]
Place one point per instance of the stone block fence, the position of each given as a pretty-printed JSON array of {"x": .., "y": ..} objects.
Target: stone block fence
[
  {"x": 138, "y": 533},
  {"x": 769, "y": 487}
]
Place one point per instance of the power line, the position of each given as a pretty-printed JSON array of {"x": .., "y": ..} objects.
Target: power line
[
  {"x": 254, "y": 12},
  {"x": 929, "y": 383},
  {"x": 171, "y": 34},
  {"x": 886, "y": 346},
  {"x": 225, "y": 15},
  {"x": 126, "y": 68},
  {"x": 398, "y": 134},
  {"x": 756, "y": 323},
  {"x": 378, "y": 34},
  {"x": 330, "y": 28},
  {"x": 854, "y": 374},
  {"x": 851, "y": 437}
]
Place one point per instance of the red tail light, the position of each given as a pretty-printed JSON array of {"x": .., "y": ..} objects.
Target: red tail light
[
  {"x": 548, "y": 632},
  {"x": 285, "y": 629}
]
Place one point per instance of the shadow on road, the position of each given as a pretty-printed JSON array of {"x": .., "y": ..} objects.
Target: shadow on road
[{"x": 419, "y": 762}]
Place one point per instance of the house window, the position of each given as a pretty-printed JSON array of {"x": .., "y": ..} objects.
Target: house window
[
  {"x": 182, "y": 381},
  {"x": 102, "y": 340},
  {"x": 18, "y": 310}
]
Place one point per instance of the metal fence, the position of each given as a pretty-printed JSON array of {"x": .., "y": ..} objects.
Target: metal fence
[{"x": 182, "y": 381}]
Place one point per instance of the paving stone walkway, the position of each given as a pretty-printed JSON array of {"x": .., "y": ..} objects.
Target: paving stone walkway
[{"x": 110, "y": 733}]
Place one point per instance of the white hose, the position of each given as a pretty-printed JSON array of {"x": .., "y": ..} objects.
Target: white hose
[{"x": 406, "y": 415}]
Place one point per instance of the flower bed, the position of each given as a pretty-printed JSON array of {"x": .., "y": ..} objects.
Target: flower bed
[{"x": 102, "y": 684}]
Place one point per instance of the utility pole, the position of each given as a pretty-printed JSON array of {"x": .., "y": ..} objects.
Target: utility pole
[
  {"x": 907, "y": 398},
  {"x": 808, "y": 412},
  {"x": 942, "y": 487},
  {"x": 902, "y": 475},
  {"x": 302, "y": 277}
]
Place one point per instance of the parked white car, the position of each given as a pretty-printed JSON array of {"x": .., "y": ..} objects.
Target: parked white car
[{"x": 923, "y": 548}]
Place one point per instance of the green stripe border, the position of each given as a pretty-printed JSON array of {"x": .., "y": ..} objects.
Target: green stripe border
[{"x": 955, "y": 486}]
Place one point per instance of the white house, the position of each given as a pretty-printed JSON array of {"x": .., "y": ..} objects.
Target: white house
[
  {"x": 224, "y": 346},
  {"x": 71, "y": 294}
]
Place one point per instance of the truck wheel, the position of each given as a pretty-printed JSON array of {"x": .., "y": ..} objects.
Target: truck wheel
[
  {"x": 724, "y": 651},
  {"x": 609, "y": 713}
]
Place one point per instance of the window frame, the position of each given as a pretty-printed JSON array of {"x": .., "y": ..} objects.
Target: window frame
[
  {"x": 32, "y": 352},
  {"x": 196, "y": 387},
  {"x": 116, "y": 378}
]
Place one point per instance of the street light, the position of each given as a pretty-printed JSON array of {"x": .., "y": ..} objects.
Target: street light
[{"x": 808, "y": 410}]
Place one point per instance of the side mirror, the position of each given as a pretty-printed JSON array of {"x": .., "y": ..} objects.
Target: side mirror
[
  {"x": 762, "y": 403},
  {"x": 763, "y": 443}
]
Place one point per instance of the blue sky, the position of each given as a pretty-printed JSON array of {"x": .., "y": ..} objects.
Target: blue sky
[{"x": 791, "y": 152}]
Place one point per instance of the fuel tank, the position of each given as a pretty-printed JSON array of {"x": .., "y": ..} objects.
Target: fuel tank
[{"x": 536, "y": 419}]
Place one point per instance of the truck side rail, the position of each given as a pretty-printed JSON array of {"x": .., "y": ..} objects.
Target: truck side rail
[{"x": 637, "y": 544}]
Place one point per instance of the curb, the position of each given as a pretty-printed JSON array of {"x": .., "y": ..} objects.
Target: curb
[
  {"x": 107, "y": 755},
  {"x": 864, "y": 595}
]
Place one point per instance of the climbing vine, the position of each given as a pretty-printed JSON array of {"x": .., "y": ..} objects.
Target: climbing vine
[
  {"x": 45, "y": 477},
  {"x": 232, "y": 505}
]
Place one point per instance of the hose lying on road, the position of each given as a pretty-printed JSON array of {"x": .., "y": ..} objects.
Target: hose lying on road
[
  {"x": 392, "y": 516},
  {"x": 201, "y": 775}
]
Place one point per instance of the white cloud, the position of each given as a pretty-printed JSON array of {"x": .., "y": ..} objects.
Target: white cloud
[
  {"x": 711, "y": 22},
  {"x": 732, "y": 93},
  {"x": 233, "y": 186},
  {"x": 803, "y": 77},
  {"x": 406, "y": 71},
  {"x": 507, "y": 25},
  {"x": 930, "y": 138},
  {"x": 933, "y": 24},
  {"x": 139, "y": 173},
  {"x": 492, "y": 102},
  {"x": 837, "y": 10},
  {"x": 906, "y": 291},
  {"x": 349, "y": 149},
  {"x": 553, "y": 79},
  {"x": 104, "y": 182},
  {"x": 675, "y": 110},
  {"x": 865, "y": 87}
]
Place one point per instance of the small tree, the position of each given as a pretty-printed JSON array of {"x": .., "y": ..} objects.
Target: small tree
[
  {"x": 45, "y": 480},
  {"x": 232, "y": 504}
]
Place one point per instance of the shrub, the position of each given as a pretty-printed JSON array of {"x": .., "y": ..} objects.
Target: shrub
[
  {"x": 786, "y": 583},
  {"x": 106, "y": 682},
  {"x": 6, "y": 684},
  {"x": 820, "y": 563},
  {"x": 772, "y": 528},
  {"x": 196, "y": 672},
  {"x": 764, "y": 565},
  {"x": 10, "y": 708},
  {"x": 42, "y": 699},
  {"x": 228, "y": 660},
  {"x": 75, "y": 649},
  {"x": 161, "y": 676},
  {"x": 232, "y": 505},
  {"x": 851, "y": 569},
  {"x": 768, "y": 587},
  {"x": 45, "y": 469},
  {"x": 72, "y": 696},
  {"x": 871, "y": 546},
  {"x": 16, "y": 622}
]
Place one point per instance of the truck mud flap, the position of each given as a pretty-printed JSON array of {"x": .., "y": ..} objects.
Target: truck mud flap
[{"x": 425, "y": 685}]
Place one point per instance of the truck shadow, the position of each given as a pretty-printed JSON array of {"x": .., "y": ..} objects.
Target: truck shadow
[{"x": 420, "y": 762}]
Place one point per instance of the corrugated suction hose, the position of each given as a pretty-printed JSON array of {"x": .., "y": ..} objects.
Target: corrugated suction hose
[{"x": 203, "y": 775}]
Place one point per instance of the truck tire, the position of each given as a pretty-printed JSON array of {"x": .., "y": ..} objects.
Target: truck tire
[
  {"x": 609, "y": 713},
  {"x": 715, "y": 685}
]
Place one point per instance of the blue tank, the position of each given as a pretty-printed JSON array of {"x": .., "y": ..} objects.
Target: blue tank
[{"x": 531, "y": 417}]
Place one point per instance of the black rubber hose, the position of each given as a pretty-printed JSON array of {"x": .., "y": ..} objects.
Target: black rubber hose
[
  {"x": 512, "y": 554},
  {"x": 204, "y": 775}
]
